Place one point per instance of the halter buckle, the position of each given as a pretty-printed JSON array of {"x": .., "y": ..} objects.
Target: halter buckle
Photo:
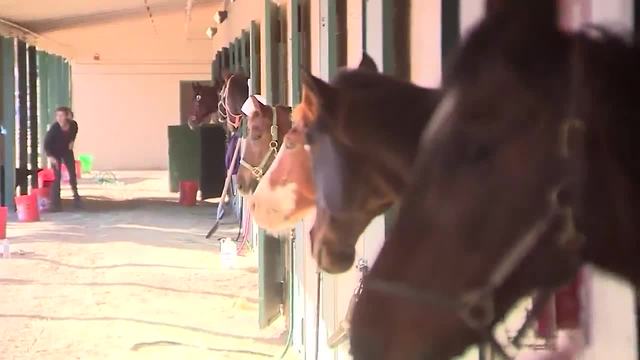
[
  {"x": 257, "y": 172},
  {"x": 478, "y": 309},
  {"x": 273, "y": 145}
]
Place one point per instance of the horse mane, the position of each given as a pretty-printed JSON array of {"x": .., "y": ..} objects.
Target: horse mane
[{"x": 614, "y": 62}]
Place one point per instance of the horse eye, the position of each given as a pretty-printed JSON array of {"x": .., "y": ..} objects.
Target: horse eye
[
  {"x": 478, "y": 153},
  {"x": 198, "y": 97}
]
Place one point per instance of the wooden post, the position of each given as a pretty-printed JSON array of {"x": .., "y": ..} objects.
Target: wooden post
[
  {"x": 8, "y": 107},
  {"x": 450, "y": 14},
  {"x": 44, "y": 108},
  {"x": 255, "y": 58},
  {"x": 296, "y": 48},
  {"x": 33, "y": 113},
  {"x": 23, "y": 115}
]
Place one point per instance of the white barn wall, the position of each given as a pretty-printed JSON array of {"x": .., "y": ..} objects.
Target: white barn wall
[
  {"x": 612, "y": 328},
  {"x": 426, "y": 63}
]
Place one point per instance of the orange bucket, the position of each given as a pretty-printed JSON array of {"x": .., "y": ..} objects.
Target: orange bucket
[
  {"x": 42, "y": 194},
  {"x": 188, "y": 193},
  {"x": 27, "y": 206},
  {"x": 3, "y": 222}
]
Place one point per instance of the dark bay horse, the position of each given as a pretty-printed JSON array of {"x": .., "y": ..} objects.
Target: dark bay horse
[
  {"x": 266, "y": 129},
  {"x": 234, "y": 93},
  {"x": 204, "y": 104},
  {"x": 363, "y": 137},
  {"x": 527, "y": 170}
]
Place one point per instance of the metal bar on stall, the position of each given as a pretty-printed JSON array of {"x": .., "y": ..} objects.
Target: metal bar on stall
[
  {"x": 32, "y": 63},
  {"x": 23, "y": 118}
]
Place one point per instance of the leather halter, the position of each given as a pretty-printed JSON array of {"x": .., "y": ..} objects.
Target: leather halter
[
  {"x": 476, "y": 307},
  {"x": 258, "y": 171},
  {"x": 223, "y": 107}
]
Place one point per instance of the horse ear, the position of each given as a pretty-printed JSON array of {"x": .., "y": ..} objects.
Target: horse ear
[
  {"x": 318, "y": 92},
  {"x": 538, "y": 14},
  {"x": 367, "y": 64},
  {"x": 257, "y": 105}
]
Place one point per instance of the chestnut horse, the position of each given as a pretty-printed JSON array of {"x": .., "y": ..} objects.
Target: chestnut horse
[
  {"x": 509, "y": 194},
  {"x": 204, "y": 104},
  {"x": 266, "y": 128},
  {"x": 286, "y": 193},
  {"x": 363, "y": 133}
]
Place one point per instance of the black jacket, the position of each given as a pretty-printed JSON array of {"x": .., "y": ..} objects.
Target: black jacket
[{"x": 57, "y": 141}]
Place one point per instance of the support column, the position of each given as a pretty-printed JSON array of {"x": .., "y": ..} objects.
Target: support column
[
  {"x": 8, "y": 113},
  {"x": 23, "y": 116},
  {"x": 44, "y": 116},
  {"x": 32, "y": 63}
]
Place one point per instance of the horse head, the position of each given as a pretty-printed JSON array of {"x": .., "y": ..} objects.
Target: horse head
[
  {"x": 266, "y": 128},
  {"x": 233, "y": 93},
  {"x": 204, "y": 103},
  {"x": 286, "y": 193},
  {"x": 362, "y": 138},
  {"x": 505, "y": 190}
]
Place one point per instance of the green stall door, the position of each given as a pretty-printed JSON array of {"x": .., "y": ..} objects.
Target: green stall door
[
  {"x": 184, "y": 155},
  {"x": 270, "y": 251}
]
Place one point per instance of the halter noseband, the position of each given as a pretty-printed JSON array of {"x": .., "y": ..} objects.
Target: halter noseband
[
  {"x": 476, "y": 308},
  {"x": 258, "y": 171}
]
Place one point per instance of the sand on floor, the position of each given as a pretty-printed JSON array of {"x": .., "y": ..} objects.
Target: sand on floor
[{"x": 129, "y": 278}]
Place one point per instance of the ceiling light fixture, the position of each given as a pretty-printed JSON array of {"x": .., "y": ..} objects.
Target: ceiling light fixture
[
  {"x": 220, "y": 17},
  {"x": 211, "y": 32}
]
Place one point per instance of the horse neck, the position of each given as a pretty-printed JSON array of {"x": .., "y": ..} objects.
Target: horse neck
[
  {"x": 237, "y": 93},
  {"x": 283, "y": 119},
  {"x": 612, "y": 194}
]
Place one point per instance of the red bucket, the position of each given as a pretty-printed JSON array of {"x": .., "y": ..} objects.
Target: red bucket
[
  {"x": 43, "y": 198},
  {"x": 27, "y": 206},
  {"x": 3, "y": 222},
  {"x": 46, "y": 177},
  {"x": 188, "y": 193}
]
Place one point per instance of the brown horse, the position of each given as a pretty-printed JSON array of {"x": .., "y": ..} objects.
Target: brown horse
[
  {"x": 362, "y": 136},
  {"x": 234, "y": 93},
  {"x": 204, "y": 104},
  {"x": 286, "y": 193},
  {"x": 509, "y": 194},
  {"x": 266, "y": 128}
]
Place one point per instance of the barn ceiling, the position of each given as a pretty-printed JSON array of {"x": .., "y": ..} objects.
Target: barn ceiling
[
  {"x": 49, "y": 24},
  {"x": 35, "y": 16}
]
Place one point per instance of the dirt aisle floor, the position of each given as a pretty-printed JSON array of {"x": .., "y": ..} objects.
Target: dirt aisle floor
[{"x": 128, "y": 279}]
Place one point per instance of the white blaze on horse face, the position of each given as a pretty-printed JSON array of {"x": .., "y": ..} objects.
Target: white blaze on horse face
[
  {"x": 273, "y": 206},
  {"x": 440, "y": 116}
]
